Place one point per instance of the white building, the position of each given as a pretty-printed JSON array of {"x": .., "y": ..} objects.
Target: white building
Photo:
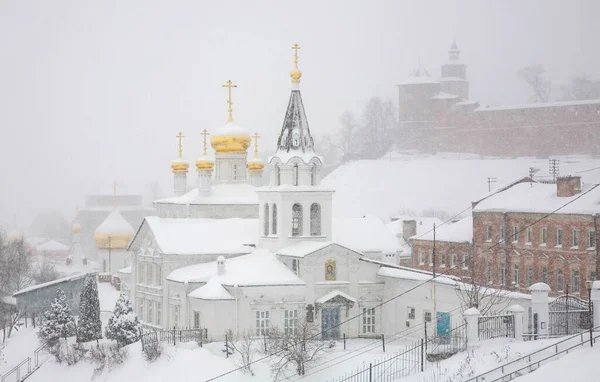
[{"x": 233, "y": 256}]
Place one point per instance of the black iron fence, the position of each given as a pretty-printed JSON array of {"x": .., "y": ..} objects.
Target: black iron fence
[
  {"x": 569, "y": 315},
  {"x": 173, "y": 336},
  {"x": 501, "y": 325}
]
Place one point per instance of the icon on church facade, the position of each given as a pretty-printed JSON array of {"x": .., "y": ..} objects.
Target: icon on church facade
[{"x": 330, "y": 271}]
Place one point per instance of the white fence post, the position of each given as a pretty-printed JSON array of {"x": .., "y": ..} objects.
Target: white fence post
[
  {"x": 472, "y": 318},
  {"x": 517, "y": 311},
  {"x": 596, "y": 302},
  {"x": 540, "y": 306}
]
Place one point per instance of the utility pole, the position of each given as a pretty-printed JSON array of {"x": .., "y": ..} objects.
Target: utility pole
[
  {"x": 434, "y": 315},
  {"x": 490, "y": 181},
  {"x": 532, "y": 171},
  {"x": 554, "y": 168},
  {"x": 109, "y": 257}
]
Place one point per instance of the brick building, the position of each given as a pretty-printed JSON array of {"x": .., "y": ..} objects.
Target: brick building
[
  {"x": 437, "y": 115},
  {"x": 524, "y": 233}
]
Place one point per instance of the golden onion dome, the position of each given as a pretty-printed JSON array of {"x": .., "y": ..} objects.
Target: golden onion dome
[
  {"x": 76, "y": 227},
  {"x": 114, "y": 232},
  {"x": 255, "y": 165},
  {"x": 230, "y": 139},
  {"x": 204, "y": 164},
  {"x": 296, "y": 74},
  {"x": 179, "y": 165}
]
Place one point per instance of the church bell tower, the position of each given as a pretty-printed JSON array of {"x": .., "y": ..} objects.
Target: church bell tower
[{"x": 294, "y": 207}]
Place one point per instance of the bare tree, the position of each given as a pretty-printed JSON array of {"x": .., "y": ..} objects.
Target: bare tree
[
  {"x": 580, "y": 88},
  {"x": 44, "y": 271},
  {"x": 379, "y": 120},
  {"x": 298, "y": 348},
  {"x": 245, "y": 347},
  {"x": 346, "y": 140},
  {"x": 15, "y": 266},
  {"x": 533, "y": 75}
]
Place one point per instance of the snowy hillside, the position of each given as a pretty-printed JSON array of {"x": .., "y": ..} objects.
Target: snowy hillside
[{"x": 448, "y": 183}]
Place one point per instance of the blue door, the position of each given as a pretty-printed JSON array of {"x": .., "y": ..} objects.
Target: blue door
[
  {"x": 330, "y": 321},
  {"x": 443, "y": 324}
]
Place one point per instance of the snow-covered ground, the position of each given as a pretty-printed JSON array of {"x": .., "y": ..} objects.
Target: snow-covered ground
[{"x": 407, "y": 184}]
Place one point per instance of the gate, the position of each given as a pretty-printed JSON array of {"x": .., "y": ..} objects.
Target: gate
[
  {"x": 496, "y": 326},
  {"x": 569, "y": 315}
]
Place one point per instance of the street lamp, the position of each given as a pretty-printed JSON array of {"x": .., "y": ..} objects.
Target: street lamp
[{"x": 588, "y": 287}]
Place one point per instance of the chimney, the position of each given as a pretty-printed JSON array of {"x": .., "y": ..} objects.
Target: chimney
[
  {"x": 221, "y": 266},
  {"x": 409, "y": 229},
  {"x": 568, "y": 186}
]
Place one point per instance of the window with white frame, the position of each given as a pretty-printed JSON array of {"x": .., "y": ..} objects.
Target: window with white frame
[
  {"x": 543, "y": 236},
  {"x": 575, "y": 280},
  {"x": 502, "y": 233},
  {"x": 150, "y": 312},
  {"x": 149, "y": 273},
  {"x": 516, "y": 274},
  {"x": 175, "y": 311},
  {"x": 453, "y": 260},
  {"x": 529, "y": 276},
  {"x": 488, "y": 232},
  {"x": 431, "y": 258},
  {"x": 503, "y": 275},
  {"x": 490, "y": 271},
  {"x": 529, "y": 235},
  {"x": 313, "y": 175},
  {"x": 575, "y": 241},
  {"x": 515, "y": 234},
  {"x": 544, "y": 274},
  {"x": 297, "y": 220},
  {"x": 262, "y": 322},
  {"x": 559, "y": 237},
  {"x": 266, "y": 222},
  {"x": 560, "y": 281},
  {"x": 274, "y": 220},
  {"x": 296, "y": 266},
  {"x": 296, "y": 175},
  {"x": 138, "y": 307},
  {"x": 421, "y": 258},
  {"x": 141, "y": 272},
  {"x": 427, "y": 315},
  {"x": 442, "y": 260},
  {"x": 290, "y": 322},
  {"x": 196, "y": 320},
  {"x": 465, "y": 261},
  {"x": 277, "y": 175},
  {"x": 368, "y": 321},
  {"x": 591, "y": 239},
  {"x": 142, "y": 309},
  {"x": 157, "y": 274},
  {"x": 410, "y": 313},
  {"x": 159, "y": 313},
  {"x": 315, "y": 219}
]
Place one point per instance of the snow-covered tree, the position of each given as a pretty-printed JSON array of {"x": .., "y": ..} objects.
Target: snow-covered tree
[
  {"x": 58, "y": 320},
  {"x": 533, "y": 75},
  {"x": 89, "y": 327},
  {"x": 123, "y": 326}
]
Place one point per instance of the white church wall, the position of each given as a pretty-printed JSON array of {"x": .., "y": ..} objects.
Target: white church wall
[
  {"x": 114, "y": 261},
  {"x": 224, "y": 211}
]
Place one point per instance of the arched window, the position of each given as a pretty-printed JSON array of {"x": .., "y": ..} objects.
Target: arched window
[
  {"x": 297, "y": 220},
  {"x": 274, "y": 220},
  {"x": 315, "y": 220},
  {"x": 277, "y": 175},
  {"x": 296, "y": 174},
  {"x": 266, "y": 219},
  {"x": 313, "y": 175}
]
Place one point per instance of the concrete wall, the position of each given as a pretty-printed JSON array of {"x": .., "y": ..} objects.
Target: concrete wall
[{"x": 39, "y": 300}]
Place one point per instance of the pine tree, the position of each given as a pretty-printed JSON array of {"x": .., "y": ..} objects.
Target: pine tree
[
  {"x": 123, "y": 326},
  {"x": 58, "y": 320},
  {"x": 89, "y": 327}
]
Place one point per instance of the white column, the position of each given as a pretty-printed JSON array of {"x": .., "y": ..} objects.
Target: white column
[
  {"x": 255, "y": 178},
  {"x": 180, "y": 183},
  {"x": 472, "y": 318},
  {"x": 517, "y": 311},
  {"x": 596, "y": 302},
  {"x": 204, "y": 181},
  {"x": 184, "y": 315},
  {"x": 540, "y": 306}
]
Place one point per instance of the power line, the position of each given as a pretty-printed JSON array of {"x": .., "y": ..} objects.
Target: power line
[{"x": 414, "y": 287}]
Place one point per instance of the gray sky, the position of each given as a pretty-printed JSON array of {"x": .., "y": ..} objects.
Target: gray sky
[{"x": 92, "y": 91}]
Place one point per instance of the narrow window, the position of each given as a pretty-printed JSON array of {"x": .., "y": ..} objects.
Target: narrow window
[
  {"x": 290, "y": 322},
  {"x": 421, "y": 258},
  {"x": 149, "y": 274},
  {"x": 529, "y": 235},
  {"x": 196, "y": 320},
  {"x": 559, "y": 280},
  {"x": 410, "y": 313},
  {"x": 465, "y": 261},
  {"x": 368, "y": 324},
  {"x": 150, "y": 312},
  {"x": 544, "y": 236},
  {"x": 234, "y": 171},
  {"x": 313, "y": 175},
  {"x": 575, "y": 238},
  {"x": 315, "y": 220},
  {"x": 503, "y": 275},
  {"x": 516, "y": 274},
  {"x": 559, "y": 238},
  {"x": 295, "y": 174},
  {"x": 490, "y": 275},
  {"x": 175, "y": 315},
  {"x": 453, "y": 260},
  {"x": 427, "y": 315},
  {"x": 274, "y": 220},
  {"x": 592, "y": 239},
  {"x": 266, "y": 221},
  {"x": 442, "y": 260},
  {"x": 296, "y": 266},
  {"x": 142, "y": 309},
  {"x": 158, "y": 275},
  {"x": 515, "y": 235},
  {"x": 262, "y": 322},
  {"x": 488, "y": 232},
  {"x": 277, "y": 175},
  {"x": 297, "y": 220},
  {"x": 159, "y": 313},
  {"x": 502, "y": 233},
  {"x": 544, "y": 274},
  {"x": 575, "y": 280},
  {"x": 529, "y": 276}
]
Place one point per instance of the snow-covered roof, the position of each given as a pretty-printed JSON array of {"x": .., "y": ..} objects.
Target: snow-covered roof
[
  {"x": 466, "y": 103},
  {"x": 455, "y": 79},
  {"x": 261, "y": 267},
  {"x": 419, "y": 76},
  {"x": 457, "y": 232},
  {"x": 212, "y": 290},
  {"x": 303, "y": 248},
  {"x": 9, "y": 300},
  {"x": 334, "y": 293},
  {"x": 443, "y": 95},
  {"x": 203, "y": 236},
  {"x": 72, "y": 277},
  {"x": 295, "y": 139},
  {"x": 231, "y": 128},
  {"x": 541, "y": 198},
  {"x": 52, "y": 246},
  {"x": 221, "y": 193},
  {"x": 366, "y": 234},
  {"x": 300, "y": 188},
  {"x": 126, "y": 270},
  {"x": 540, "y": 105},
  {"x": 424, "y": 224},
  {"x": 407, "y": 274},
  {"x": 115, "y": 224}
]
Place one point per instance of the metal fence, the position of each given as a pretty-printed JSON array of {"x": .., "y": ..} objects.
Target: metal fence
[
  {"x": 412, "y": 359},
  {"x": 173, "y": 336},
  {"x": 569, "y": 315},
  {"x": 24, "y": 369},
  {"x": 501, "y": 325}
]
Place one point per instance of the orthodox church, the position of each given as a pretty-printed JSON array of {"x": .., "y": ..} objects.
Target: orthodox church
[{"x": 230, "y": 254}]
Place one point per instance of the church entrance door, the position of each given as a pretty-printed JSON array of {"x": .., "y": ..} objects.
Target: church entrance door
[{"x": 330, "y": 321}]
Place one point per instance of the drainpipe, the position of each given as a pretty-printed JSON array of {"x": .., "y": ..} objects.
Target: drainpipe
[
  {"x": 596, "y": 243},
  {"x": 506, "y": 251},
  {"x": 237, "y": 311}
]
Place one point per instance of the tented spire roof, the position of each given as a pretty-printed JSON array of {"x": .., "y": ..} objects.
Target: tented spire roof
[{"x": 295, "y": 135}]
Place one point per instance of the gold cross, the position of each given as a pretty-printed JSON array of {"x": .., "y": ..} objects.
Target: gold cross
[
  {"x": 115, "y": 194},
  {"x": 256, "y": 136},
  {"x": 296, "y": 47},
  {"x": 229, "y": 85},
  {"x": 179, "y": 137},
  {"x": 205, "y": 133}
]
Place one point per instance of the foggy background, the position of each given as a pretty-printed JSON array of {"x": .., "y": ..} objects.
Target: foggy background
[{"x": 92, "y": 92}]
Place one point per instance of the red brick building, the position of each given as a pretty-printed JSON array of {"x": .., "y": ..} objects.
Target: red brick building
[
  {"x": 525, "y": 233},
  {"x": 437, "y": 115}
]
